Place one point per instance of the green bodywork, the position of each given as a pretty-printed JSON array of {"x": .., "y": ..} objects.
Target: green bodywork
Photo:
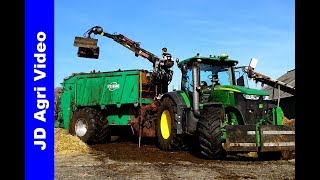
[
  {"x": 225, "y": 94},
  {"x": 116, "y": 90},
  {"x": 242, "y": 89},
  {"x": 185, "y": 98},
  {"x": 209, "y": 60}
]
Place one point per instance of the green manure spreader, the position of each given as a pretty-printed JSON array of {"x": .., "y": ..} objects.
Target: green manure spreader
[{"x": 91, "y": 103}]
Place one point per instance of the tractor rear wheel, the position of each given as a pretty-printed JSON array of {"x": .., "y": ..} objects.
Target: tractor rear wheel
[
  {"x": 209, "y": 133},
  {"x": 166, "y": 129},
  {"x": 89, "y": 125}
]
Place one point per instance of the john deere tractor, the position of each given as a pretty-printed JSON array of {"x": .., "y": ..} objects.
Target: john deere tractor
[{"x": 216, "y": 106}]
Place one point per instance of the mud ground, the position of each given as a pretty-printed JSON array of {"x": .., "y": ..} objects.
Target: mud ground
[{"x": 125, "y": 160}]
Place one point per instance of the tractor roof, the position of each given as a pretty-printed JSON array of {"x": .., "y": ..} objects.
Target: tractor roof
[{"x": 223, "y": 59}]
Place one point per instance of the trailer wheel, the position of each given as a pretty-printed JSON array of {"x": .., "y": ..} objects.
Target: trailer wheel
[
  {"x": 209, "y": 133},
  {"x": 89, "y": 125},
  {"x": 166, "y": 130}
]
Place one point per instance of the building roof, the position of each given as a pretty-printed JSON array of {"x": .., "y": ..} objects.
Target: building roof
[{"x": 288, "y": 78}]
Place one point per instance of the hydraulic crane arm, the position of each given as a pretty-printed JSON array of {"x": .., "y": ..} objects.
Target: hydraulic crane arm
[
  {"x": 126, "y": 42},
  {"x": 161, "y": 75}
]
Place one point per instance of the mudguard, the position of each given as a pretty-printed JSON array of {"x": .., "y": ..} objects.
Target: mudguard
[{"x": 181, "y": 106}]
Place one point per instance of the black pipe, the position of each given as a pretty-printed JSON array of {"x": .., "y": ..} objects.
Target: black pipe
[{"x": 196, "y": 94}]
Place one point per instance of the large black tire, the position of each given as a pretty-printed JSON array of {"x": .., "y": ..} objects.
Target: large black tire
[
  {"x": 209, "y": 133},
  {"x": 90, "y": 126},
  {"x": 166, "y": 129}
]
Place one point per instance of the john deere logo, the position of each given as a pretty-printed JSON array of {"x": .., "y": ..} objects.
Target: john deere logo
[{"x": 113, "y": 86}]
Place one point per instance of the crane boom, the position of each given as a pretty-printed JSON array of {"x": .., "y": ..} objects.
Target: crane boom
[
  {"x": 126, "y": 42},
  {"x": 161, "y": 75}
]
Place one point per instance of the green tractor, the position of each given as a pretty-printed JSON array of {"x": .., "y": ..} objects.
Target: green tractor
[{"x": 215, "y": 106}]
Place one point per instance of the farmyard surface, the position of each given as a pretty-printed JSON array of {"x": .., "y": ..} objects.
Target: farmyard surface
[{"x": 125, "y": 160}]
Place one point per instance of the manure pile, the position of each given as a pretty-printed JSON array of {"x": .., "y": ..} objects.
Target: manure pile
[
  {"x": 289, "y": 122},
  {"x": 65, "y": 143}
]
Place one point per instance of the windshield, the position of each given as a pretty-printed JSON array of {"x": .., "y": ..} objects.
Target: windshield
[
  {"x": 219, "y": 74},
  {"x": 209, "y": 75}
]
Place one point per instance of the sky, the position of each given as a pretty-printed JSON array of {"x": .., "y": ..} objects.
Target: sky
[{"x": 244, "y": 29}]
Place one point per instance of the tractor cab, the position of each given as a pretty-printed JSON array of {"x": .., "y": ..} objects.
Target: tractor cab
[
  {"x": 218, "y": 79},
  {"x": 210, "y": 72}
]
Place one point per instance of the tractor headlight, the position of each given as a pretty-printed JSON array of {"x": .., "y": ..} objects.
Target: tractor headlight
[
  {"x": 265, "y": 97},
  {"x": 251, "y": 97}
]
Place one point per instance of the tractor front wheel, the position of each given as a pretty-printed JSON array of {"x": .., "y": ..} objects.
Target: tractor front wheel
[
  {"x": 209, "y": 133},
  {"x": 166, "y": 130}
]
